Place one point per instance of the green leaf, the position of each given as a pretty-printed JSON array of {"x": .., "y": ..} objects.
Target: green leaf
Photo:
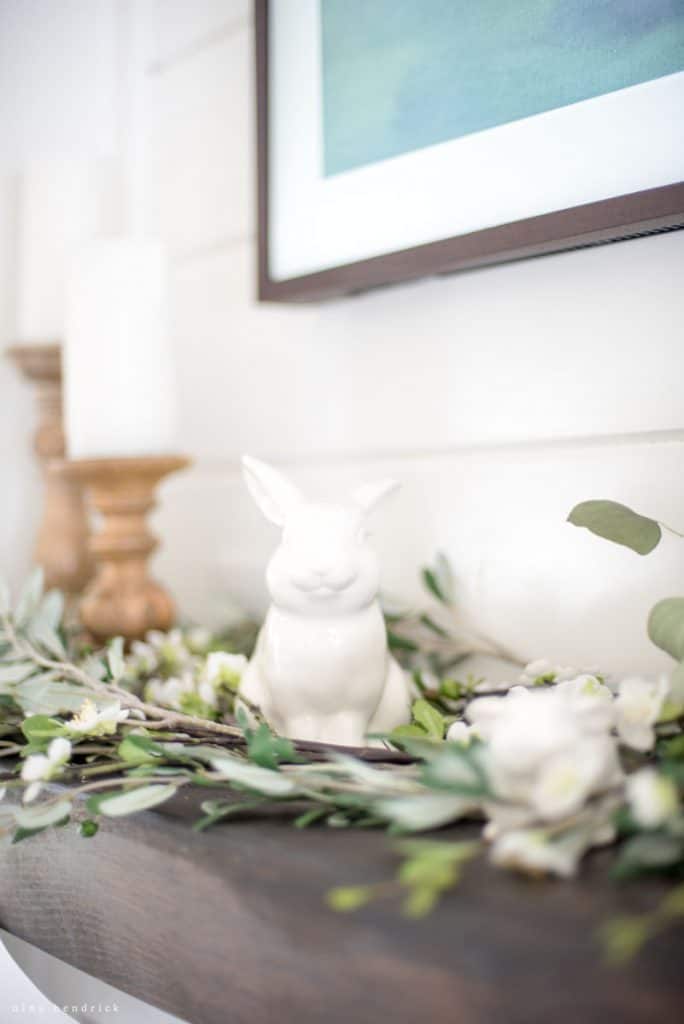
[
  {"x": 139, "y": 749},
  {"x": 267, "y": 750},
  {"x": 666, "y": 626},
  {"x": 401, "y": 643},
  {"x": 432, "y": 720},
  {"x": 115, "y": 658},
  {"x": 216, "y": 811},
  {"x": 130, "y": 801},
  {"x": 30, "y": 595},
  {"x": 25, "y": 833},
  {"x": 420, "y": 900},
  {"x": 451, "y": 688},
  {"x": 39, "y": 728},
  {"x": 309, "y": 817},
  {"x": 408, "y": 731},
  {"x": 432, "y": 583},
  {"x": 618, "y": 524},
  {"x": 648, "y": 852},
  {"x": 41, "y": 815},
  {"x": 349, "y": 897},
  {"x": 89, "y": 828},
  {"x": 673, "y": 748},
  {"x": 623, "y": 937},
  {"x": 263, "y": 780}
]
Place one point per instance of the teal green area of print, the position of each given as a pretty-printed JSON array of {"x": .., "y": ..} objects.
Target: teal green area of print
[{"x": 399, "y": 75}]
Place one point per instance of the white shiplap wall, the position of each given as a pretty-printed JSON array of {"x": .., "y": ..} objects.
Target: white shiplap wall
[{"x": 500, "y": 397}]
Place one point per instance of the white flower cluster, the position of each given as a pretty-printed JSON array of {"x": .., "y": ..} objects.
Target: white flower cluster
[
  {"x": 552, "y": 758},
  {"x": 198, "y": 690},
  {"x": 181, "y": 674}
]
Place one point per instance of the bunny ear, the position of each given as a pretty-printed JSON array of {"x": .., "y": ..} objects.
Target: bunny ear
[
  {"x": 370, "y": 495},
  {"x": 275, "y": 495}
]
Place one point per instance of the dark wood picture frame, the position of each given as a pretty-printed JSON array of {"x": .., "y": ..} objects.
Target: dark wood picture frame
[{"x": 651, "y": 211}]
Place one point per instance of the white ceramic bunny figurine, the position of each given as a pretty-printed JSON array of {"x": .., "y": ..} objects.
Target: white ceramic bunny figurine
[{"x": 321, "y": 669}]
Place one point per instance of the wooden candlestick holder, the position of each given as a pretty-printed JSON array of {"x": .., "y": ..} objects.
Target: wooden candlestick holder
[
  {"x": 122, "y": 600},
  {"x": 61, "y": 546}
]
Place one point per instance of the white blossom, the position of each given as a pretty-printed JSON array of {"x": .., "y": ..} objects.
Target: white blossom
[
  {"x": 531, "y": 851},
  {"x": 142, "y": 660},
  {"x": 91, "y": 722},
  {"x": 199, "y": 639},
  {"x": 547, "y": 751},
  {"x": 590, "y": 699},
  {"x": 543, "y": 671},
  {"x": 40, "y": 768},
  {"x": 222, "y": 667},
  {"x": 169, "y": 692},
  {"x": 637, "y": 708},
  {"x": 537, "y": 851},
  {"x": 462, "y": 733},
  {"x": 652, "y": 798}
]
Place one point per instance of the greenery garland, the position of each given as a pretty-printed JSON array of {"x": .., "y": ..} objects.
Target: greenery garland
[{"x": 557, "y": 763}]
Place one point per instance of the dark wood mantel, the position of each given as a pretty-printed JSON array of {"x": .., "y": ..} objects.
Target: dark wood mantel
[{"x": 230, "y": 926}]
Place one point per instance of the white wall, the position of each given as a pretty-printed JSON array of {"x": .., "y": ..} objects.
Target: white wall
[{"x": 500, "y": 396}]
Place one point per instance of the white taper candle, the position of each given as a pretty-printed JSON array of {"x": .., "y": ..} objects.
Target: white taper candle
[{"x": 119, "y": 382}]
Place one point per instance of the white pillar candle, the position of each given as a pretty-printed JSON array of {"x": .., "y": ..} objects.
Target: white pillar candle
[
  {"x": 63, "y": 203},
  {"x": 119, "y": 389}
]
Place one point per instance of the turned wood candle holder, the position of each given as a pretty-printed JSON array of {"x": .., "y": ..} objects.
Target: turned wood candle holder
[
  {"x": 122, "y": 600},
  {"x": 61, "y": 546}
]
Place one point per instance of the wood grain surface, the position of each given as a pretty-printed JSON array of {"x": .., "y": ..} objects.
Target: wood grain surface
[{"x": 231, "y": 925}]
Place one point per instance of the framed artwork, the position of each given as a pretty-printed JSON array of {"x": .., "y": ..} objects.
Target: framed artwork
[{"x": 404, "y": 138}]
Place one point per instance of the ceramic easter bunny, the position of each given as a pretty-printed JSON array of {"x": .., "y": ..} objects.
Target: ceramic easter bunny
[{"x": 321, "y": 669}]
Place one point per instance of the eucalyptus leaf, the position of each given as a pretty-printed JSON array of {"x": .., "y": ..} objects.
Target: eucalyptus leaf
[
  {"x": 364, "y": 773},
  {"x": 115, "y": 658},
  {"x": 666, "y": 626},
  {"x": 16, "y": 672},
  {"x": 253, "y": 777},
  {"x": 45, "y": 694},
  {"x": 457, "y": 769},
  {"x": 617, "y": 523},
  {"x": 30, "y": 595},
  {"x": 41, "y": 815},
  {"x": 418, "y": 813},
  {"x": 130, "y": 801},
  {"x": 44, "y": 623}
]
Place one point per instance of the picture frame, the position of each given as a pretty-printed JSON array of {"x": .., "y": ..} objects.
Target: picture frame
[{"x": 286, "y": 216}]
